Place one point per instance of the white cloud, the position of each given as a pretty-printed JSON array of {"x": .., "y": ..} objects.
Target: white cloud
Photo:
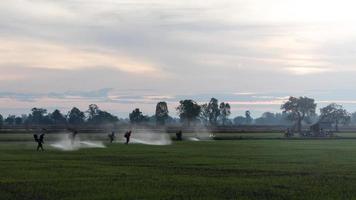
[
  {"x": 177, "y": 47},
  {"x": 39, "y": 54},
  {"x": 308, "y": 70}
]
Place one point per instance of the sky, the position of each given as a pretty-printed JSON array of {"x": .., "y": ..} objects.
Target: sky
[{"x": 123, "y": 54}]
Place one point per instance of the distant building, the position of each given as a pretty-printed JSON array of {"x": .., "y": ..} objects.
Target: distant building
[{"x": 326, "y": 126}]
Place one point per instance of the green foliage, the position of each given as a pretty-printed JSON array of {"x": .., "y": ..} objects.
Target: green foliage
[
  {"x": 204, "y": 114},
  {"x": 246, "y": 120},
  {"x": 225, "y": 111},
  {"x": 269, "y": 118},
  {"x": 188, "y": 111},
  {"x": 38, "y": 116},
  {"x": 210, "y": 112},
  {"x": 213, "y": 111},
  {"x": 137, "y": 117},
  {"x": 57, "y": 118},
  {"x": 248, "y": 117},
  {"x": 10, "y": 120},
  {"x": 97, "y": 116},
  {"x": 298, "y": 109},
  {"x": 353, "y": 118},
  {"x": 335, "y": 114},
  {"x": 161, "y": 113},
  {"x": 92, "y": 111},
  {"x": 76, "y": 117},
  {"x": 104, "y": 117}
]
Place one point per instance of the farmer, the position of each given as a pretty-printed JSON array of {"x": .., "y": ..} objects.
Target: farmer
[
  {"x": 112, "y": 136},
  {"x": 40, "y": 140},
  {"x": 127, "y": 136},
  {"x": 179, "y": 135},
  {"x": 73, "y": 135},
  {"x": 288, "y": 133}
]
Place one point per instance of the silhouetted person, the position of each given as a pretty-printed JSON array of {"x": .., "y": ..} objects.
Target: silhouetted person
[
  {"x": 40, "y": 140},
  {"x": 288, "y": 133},
  {"x": 112, "y": 137},
  {"x": 179, "y": 135},
  {"x": 127, "y": 136},
  {"x": 73, "y": 135}
]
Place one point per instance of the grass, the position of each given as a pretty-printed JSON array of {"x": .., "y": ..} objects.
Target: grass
[{"x": 240, "y": 169}]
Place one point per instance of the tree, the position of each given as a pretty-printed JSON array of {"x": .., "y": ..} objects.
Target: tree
[
  {"x": 353, "y": 118},
  {"x": 57, "y": 118},
  {"x": 204, "y": 114},
  {"x": 248, "y": 117},
  {"x": 267, "y": 118},
  {"x": 76, "y": 117},
  {"x": 18, "y": 120},
  {"x": 97, "y": 116},
  {"x": 92, "y": 111},
  {"x": 104, "y": 117},
  {"x": 38, "y": 116},
  {"x": 161, "y": 113},
  {"x": 137, "y": 117},
  {"x": 10, "y": 120},
  {"x": 1, "y": 121},
  {"x": 298, "y": 109},
  {"x": 225, "y": 111},
  {"x": 188, "y": 111},
  {"x": 335, "y": 114},
  {"x": 213, "y": 111},
  {"x": 240, "y": 120}
]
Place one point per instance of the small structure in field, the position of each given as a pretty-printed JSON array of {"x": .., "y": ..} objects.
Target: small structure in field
[{"x": 321, "y": 129}]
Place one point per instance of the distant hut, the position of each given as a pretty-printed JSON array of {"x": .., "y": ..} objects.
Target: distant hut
[{"x": 321, "y": 128}]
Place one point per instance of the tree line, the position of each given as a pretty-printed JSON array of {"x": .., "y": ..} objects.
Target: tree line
[
  {"x": 40, "y": 116},
  {"x": 295, "y": 112}
]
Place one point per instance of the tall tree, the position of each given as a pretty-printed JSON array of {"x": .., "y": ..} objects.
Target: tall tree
[
  {"x": 267, "y": 118},
  {"x": 213, "y": 111},
  {"x": 239, "y": 120},
  {"x": 10, "y": 120},
  {"x": 97, "y": 116},
  {"x": 335, "y": 114},
  {"x": 1, "y": 121},
  {"x": 76, "y": 117},
  {"x": 225, "y": 111},
  {"x": 161, "y": 113},
  {"x": 104, "y": 117},
  {"x": 18, "y": 120},
  {"x": 92, "y": 111},
  {"x": 204, "y": 114},
  {"x": 57, "y": 117},
  {"x": 248, "y": 117},
  {"x": 188, "y": 111},
  {"x": 39, "y": 116},
  {"x": 298, "y": 109},
  {"x": 137, "y": 117},
  {"x": 353, "y": 118}
]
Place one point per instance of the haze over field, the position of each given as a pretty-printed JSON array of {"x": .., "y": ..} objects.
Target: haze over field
[{"x": 125, "y": 54}]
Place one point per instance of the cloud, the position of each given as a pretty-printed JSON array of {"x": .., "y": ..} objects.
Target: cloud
[
  {"x": 39, "y": 54},
  {"x": 308, "y": 70},
  {"x": 11, "y": 77},
  {"x": 170, "y": 50}
]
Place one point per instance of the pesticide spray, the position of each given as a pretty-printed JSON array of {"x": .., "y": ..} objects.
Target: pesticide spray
[
  {"x": 144, "y": 136},
  {"x": 201, "y": 133},
  {"x": 69, "y": 143}
]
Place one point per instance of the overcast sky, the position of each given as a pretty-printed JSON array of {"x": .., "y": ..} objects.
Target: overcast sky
[{"x": 122, "y": 54}]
